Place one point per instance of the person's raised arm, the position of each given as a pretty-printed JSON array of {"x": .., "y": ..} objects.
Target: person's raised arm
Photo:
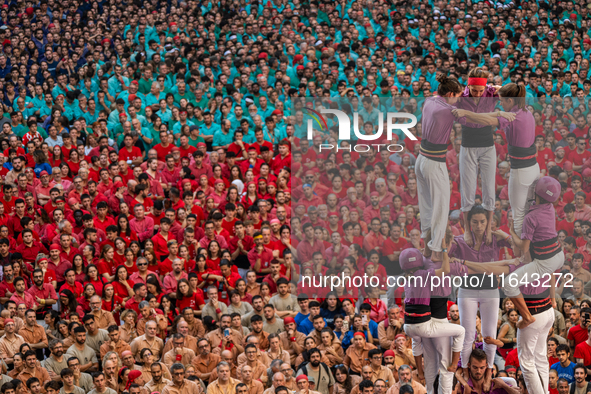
[{"x": 444, "y": 270}]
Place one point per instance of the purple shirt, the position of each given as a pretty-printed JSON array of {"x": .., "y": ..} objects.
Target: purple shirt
[
  {"x": 419, "y": 295},
  {"x": 521, "y": 132},
  {"x": 486, "y": 103},
  {"x": 532, "y": 288},
  {"x": 438, "y": 120},
  {"x": 539, "y": 223},
  {"x": 486, "y": 253},
  {"x": 456, "y": 269}
]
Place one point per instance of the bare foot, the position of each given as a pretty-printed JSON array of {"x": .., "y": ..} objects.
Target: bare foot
[
  {"x": 427, "y": 251},
  {"x": 437, "y": 256},
  {"x": 487, "y": 380},
  {"x": 521, "y": 324},
  {"x": 489, "y": 236},
  {"x": 468, "y": 238}
]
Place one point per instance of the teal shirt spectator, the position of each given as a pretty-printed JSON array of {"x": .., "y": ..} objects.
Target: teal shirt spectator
[
  {"x": 190, "y": 97},
  {"x": 125, "y": 96},
  {"x": 220, "y": 138},
  {"x": 79, "y": 113},
  {"x": 266, "y": 135},
  {"x": 45, "y": 111},
  {"x": 235, "y": 123},
  {"x": 266, "y": 112},
  {"x": 70, "y": 109},
  {"x": 38, "y": 102},
  {"x": 19, "y": 130},
  {"x": 249, "y": 137},
  {"x": 151, "y": 99},
  {"x": 98, "y": 104},
  {"x": 372, "y": 117},
  {"x": 280, "y": 132},
  {"x": 144, "y": 122},
  {"x": 178, "y": 126},
  {"x": 211, "y": 130},
  {"x": 113, "y": 119},
  {"x": 115, "y": 86},
  {"x": 91, "y": 118},
  {"x": 301, "y": 130},
  {"x": 164, "y": 116},
  {"x": 56, "y": 91}
]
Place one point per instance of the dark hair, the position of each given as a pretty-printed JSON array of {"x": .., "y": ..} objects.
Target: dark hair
[
  {"x": 127, "y": 230},
  {"x": 477, "y": 210},
  {"x": 179, "y": 295},
  {"x": 515, "y": 92},
  {"x": 579, "y": 366},
  {"x": 347, "y": 384},
  {"x": 72, "y": 303},
  {"x": 563, "y": 347},
  {"x": 448, "y": 85},
  {"x": 365, "y": 385},
  {"x": 478, "y": 354}
]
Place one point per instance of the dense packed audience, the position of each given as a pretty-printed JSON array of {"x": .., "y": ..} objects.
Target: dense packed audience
[{"x": 161, "y": 203}]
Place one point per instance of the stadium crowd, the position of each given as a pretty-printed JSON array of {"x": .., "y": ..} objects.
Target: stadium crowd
[{"x": 161, "y": 203}]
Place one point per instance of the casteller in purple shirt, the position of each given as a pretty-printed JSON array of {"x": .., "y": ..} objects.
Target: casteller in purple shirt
[{"x": 521, "y": 132}]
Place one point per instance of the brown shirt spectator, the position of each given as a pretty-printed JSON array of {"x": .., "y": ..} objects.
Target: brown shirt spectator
[
  {"x": 261, "y": 356},
  {"x": 204, "y": 365},
  {"x": 383, "y": 373},
  {"x": 190, "y": 343},
  {"x": 9, "y": 347},
  {"x": 339, "y": 389},
  {"x": 155, "y": 345},
  {"x": 196, "y": 328},
  {"x": 357, "y": 356},
  {"x": 293, "y": 344},
  {"x": 119, "y": 348},
  {"x": 335, "y": 356},
  {"x": 171, "y": 357},
  {"x": 215, "y": 339},
  {"x": 259, "y": 370},
  {"x": 386, "y": 335},
  {"x": 35, "y": 334},
  {"x": 151, "y": 386},
  {"x": 188, "y": 387},
  {"x": 39, "y": 373},
  {"x": 214, "y": 387},
  {"x": 103, "y": 319},
  {"x": 263, "y": 339},
  {"x": 147, "y": 372},
  {"x": 255, "y": 387}
]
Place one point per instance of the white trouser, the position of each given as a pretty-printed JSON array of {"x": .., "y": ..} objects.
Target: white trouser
[
  {"x": 520, "y": 180},
  {"x": 469, "y": 302},
  {"x": 434, "y": 195},
  {"x": 438, "y": 351},
  {"x": 434, "y": 328},
  {"x": 471, "y": 160},
  {"x": 539, "y": 270},
  {"x": 532, "y": 349}
]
